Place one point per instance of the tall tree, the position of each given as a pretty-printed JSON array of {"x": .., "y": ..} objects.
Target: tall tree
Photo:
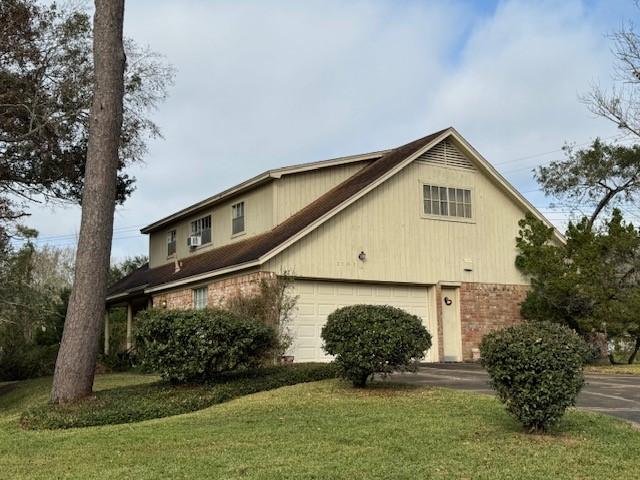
[
  {"x": 75, "y": 366},
  {"x": 605, "y": 175},
  {"x": 597, "y": 178},
  {"x": 590, "y": 282},
  {"x": 620, "y": 104},
  {"x": 125, "y": 267},
  {"x": 46, "y": 86},
  {"x": 32, "y": 282}
]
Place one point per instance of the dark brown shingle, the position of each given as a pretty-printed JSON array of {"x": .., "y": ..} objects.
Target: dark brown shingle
[{"x": 255, "y": 247}]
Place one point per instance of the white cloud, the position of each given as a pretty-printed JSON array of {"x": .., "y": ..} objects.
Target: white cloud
[{"x": 263, "y": 84}]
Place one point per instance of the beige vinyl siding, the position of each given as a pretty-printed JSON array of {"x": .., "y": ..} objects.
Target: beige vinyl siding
[
  {"x": 403, "y": 245},
  {"x": 293, "y": 192},
  {"x": 264, "y": 207},
  {"x": 258, "y": 211}
]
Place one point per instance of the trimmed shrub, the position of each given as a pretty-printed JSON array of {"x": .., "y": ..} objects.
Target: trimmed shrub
[
  {"x": 536, "y": 369},
  {"x": 156, "y": 400},
  {"x": 368, "y": 339},
  {"x": 197, "y": 345}
]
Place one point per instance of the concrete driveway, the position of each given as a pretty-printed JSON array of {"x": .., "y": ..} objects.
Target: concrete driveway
[{"x": 617, "y": 395}]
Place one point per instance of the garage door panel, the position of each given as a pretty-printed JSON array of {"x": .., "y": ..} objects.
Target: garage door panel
[
  {"x": 306, "y": 309},
  {"x": 307, "y": 331},
  {"x": 305, "y": 288},
  {"x": 345, "y": 290},
  {"x": 319, "y": 299},
  {"x": 328, "y": 289},
  {"x": 364, "y": 291},
  {"x": 384, "y": 292},
  {"x": 326, "y": 309},
  {"x": 306, "y": 354},
  {"x": 421, "y": 312}
]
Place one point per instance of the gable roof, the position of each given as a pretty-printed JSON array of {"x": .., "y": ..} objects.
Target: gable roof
[
  {"x": 253, "y": 182},
  {"x": 244, "y": 252},
  {"x": 255, "y": 250}
]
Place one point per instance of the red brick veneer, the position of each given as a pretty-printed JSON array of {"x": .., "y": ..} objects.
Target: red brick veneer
[
  {"x": 218, "y": 291},
  {"x": 485, "y": 307}
]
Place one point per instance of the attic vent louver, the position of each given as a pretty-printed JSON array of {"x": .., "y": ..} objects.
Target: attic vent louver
[{"x": 447, "y": 154}]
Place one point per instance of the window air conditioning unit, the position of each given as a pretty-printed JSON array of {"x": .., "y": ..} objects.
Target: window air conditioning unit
[{"x": 194, "y": 241}]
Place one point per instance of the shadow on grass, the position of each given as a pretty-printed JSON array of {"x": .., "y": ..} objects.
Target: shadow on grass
[
  {"x": 156, "y": 400},
  {"x": 7, "y": 387}
]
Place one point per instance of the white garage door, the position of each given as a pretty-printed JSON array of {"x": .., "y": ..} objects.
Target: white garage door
[{"x": 317, "y": 299}]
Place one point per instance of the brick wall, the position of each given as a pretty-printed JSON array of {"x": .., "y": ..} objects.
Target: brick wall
[
  {"x": 485, "y": 307},
  {"x": 218, "y": 291}
]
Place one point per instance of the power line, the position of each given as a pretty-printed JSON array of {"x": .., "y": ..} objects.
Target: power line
[
  {"x": 67, "y": 243},
  {"x": 74, "y": 235},
  {"x": 53, "y": 239},
  {"x": 536, "y": 155},
  {"x": 521, "y": 169}
]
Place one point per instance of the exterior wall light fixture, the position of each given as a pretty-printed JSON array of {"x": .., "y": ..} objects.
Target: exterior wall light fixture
[{"x": 362, "y": 256}]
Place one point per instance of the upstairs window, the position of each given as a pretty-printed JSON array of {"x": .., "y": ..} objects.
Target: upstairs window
[
  {"x": 171, "y": 243},
  {"x": 447, "y": 201},
  {"x": 237, "y": 218},
  {"x": 202, "y": 228},
  {"x": 200, "y": 298}
]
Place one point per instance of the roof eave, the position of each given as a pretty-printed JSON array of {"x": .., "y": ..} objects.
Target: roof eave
[
  {"x": 202, "y": 276},
  {"x": 242, "y": 187},
  {"x": 126, "y": 295},
  {"x": 505, "y": 184},
  {"x": 257, "y": 181}
]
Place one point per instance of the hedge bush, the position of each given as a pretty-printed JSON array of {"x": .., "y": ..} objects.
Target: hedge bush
[
  {"x": 368, "y": 339},
  {"x": 536, "y": 369},
  {"x": 19, "y": 362},
  {"x": 156, "y": 400},
  {"x": 197, "y": 345}
]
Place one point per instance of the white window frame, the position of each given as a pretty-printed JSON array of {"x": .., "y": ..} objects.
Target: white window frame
[
  {"x": 198, "y": 227},
  {"x": 172, "y": 243},
  {"x": 467, "y": 203},
  {"x": 234, "y": 216},
  {"x": 200, "y": 297}
]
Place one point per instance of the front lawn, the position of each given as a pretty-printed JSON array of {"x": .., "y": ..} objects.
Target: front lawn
[
  {"x": 149, "y": 400},
  {"x": 633, "y": 369},
  {"x": 318, "y": 430}
]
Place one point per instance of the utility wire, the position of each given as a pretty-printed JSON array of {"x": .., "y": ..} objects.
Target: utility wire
[
  {"x": 70, "y": 239},
  {"x": 536, "y": 155}
]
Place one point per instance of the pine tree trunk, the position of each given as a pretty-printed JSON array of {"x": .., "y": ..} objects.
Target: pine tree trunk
[{"x": 75, "y": 366}]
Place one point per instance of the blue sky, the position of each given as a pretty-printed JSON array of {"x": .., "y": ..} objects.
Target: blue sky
[{"x": 261, "y": 84}]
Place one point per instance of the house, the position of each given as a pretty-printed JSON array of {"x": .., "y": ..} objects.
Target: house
[{"x": 429, "y": 227}]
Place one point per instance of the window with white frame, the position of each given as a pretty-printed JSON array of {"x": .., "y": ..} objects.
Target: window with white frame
[
  {"x": 447, "y": 201},
  {"x": 237, "y": 218},
  {"x": 200, "y": 298},
  {"x": 171, "y": 243},
  {"x": 202, "y": 228}
]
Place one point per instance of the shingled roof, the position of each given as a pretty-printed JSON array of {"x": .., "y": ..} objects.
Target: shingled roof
[{"x": 255, "y": 247}]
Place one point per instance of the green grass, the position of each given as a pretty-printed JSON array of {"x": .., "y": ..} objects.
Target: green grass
[
  {"x": 322, "y": 430},
  {"x": 633, "y": 369},
  {"x": 146, "y": 401}
]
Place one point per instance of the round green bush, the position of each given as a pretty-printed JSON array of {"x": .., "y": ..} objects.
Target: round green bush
[
  {"x": 197, "y": 345},
  {"x": 367, "y": 339},
  {"x": 536, "y": 369}
]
